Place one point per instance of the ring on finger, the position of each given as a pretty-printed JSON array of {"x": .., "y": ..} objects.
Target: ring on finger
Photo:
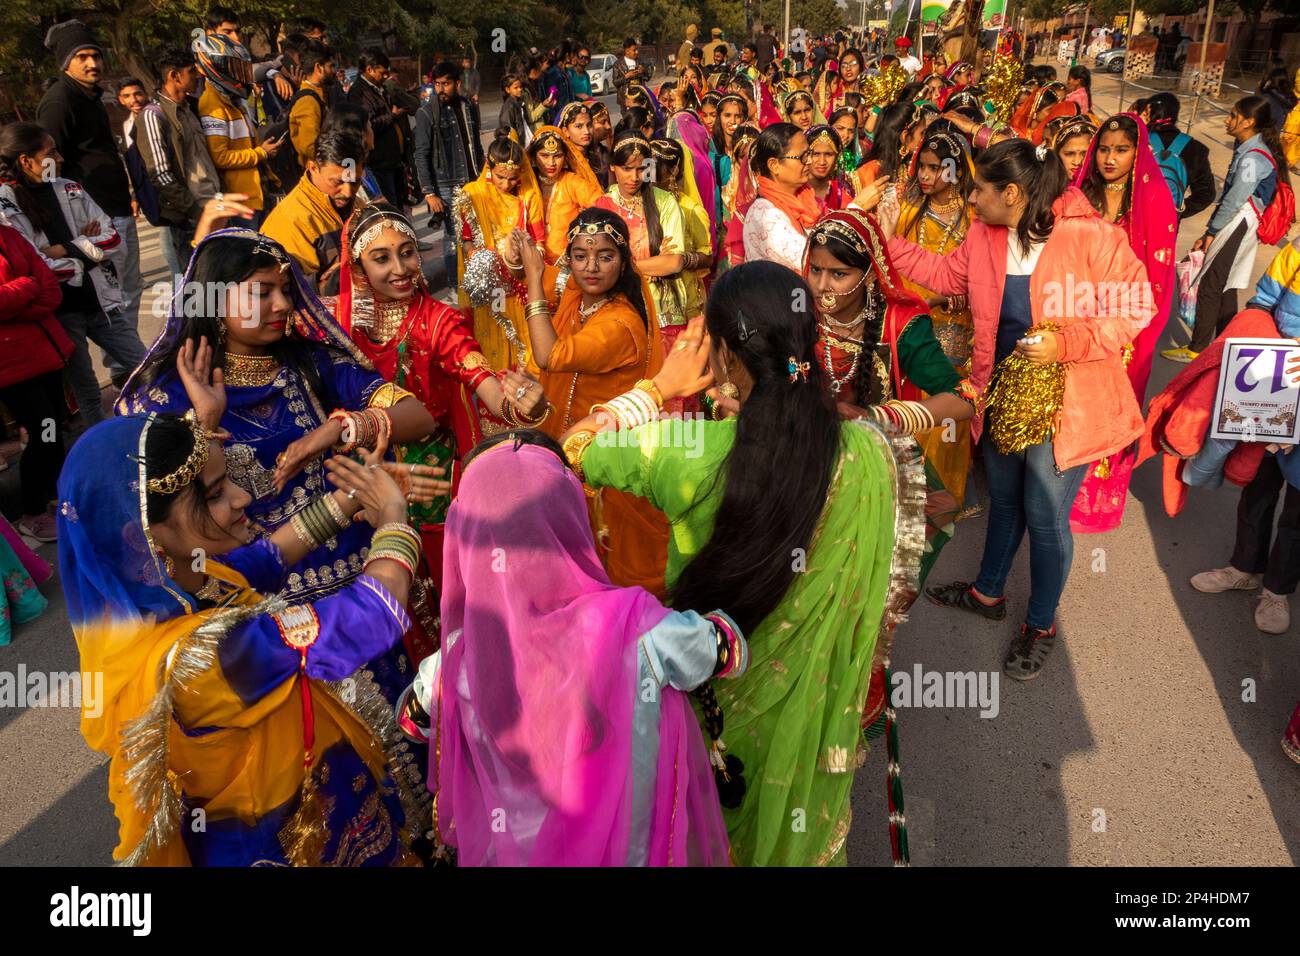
[{"x": 352, "y": 494}]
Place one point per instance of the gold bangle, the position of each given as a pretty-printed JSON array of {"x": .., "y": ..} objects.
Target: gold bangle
[
  {"x": 575, "y": 448},
  {"x": 648, "y": 385},
  {"x": 336, "y": 511}
]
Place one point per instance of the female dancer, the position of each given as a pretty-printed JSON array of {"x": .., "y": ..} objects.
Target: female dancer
[
  {"x": 824, "y": 176},
  {"x": 566, "y": 182},
  {"x": 219, "y": 693},
  {"x": 1122, "y": 180},
  {"x": 589, "y": 768},
  {"x": 880, "y": 348},
  {"x": 798, "y": 108},
  {"x": 503, "y": 198},
  {"x": 595, "y": 339},
  {"x": 674, "y": 173},
  {"x": 850, "y": 516},
  {"x": 936, "y": 216},
  {"x": 1060, "y": 398},
  {"x": 295, "y": 387},
  {"x": 424, "y": 348},
  {"x": 602, "y": 140},
  {"x": 658, "y": 231},
  {"x": 830, "y": 90},
  {"x": 737, "y": 196},
  {"x": 709, "y": 110}
]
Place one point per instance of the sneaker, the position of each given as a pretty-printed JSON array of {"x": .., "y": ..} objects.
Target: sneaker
[
  {"x": 40, "y": 528},
  {"x": 1183, "y": 355},
  {"x": 961, "y": 594},
  {"x": 1273, "y": 613},
  {"x": 1028, "y": 652},
  {"x": 1224, "y": 579}
]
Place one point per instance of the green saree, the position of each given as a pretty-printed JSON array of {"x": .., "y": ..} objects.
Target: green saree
[{"x": 794, "y": 718}]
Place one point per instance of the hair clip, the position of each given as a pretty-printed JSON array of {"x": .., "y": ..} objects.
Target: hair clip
[
  {"x": 1040, "y": 152},
  {"x": 797, "y": 370},
  {"x": 742, "y": 327}
]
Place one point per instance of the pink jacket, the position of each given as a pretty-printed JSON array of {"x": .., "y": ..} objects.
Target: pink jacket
[{"x": 1084, "y": 254}]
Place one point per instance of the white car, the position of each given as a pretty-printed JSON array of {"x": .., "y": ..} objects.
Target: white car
[{"x": 601, "y": 73}]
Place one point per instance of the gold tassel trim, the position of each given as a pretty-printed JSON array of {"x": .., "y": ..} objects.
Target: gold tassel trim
[
  {"x": 305, "y": 835},
  {"x": 145, "y": 743},
  {"x": 1024, "y": 400}
]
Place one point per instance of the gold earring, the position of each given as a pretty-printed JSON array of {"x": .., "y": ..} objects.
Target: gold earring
[{"x": 169, "y": 566}]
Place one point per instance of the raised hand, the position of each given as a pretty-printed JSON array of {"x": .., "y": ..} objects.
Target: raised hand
[{"x": 204, "y": 385}]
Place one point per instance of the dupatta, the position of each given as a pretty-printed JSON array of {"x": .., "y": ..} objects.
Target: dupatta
[
  {"x": 860, "y": 231},
  {"x": 537, "y": 688},
  {"x": 148, "y": 638},
  {"x": 1152, "y": 228},
  {"x": 686, "y": 127}
]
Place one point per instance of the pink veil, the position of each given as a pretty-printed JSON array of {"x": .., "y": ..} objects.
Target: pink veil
[
  {"x": 1152, "y": 227},
  {"x": 537, "y": 690},
  {"x": 685, "y": 127}
]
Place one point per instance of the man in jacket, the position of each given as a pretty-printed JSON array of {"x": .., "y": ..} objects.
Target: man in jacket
[
  {"x": 387, "y": 159},
  {"x": 628, "y": 71},
  {"x": 227, "y": 125},
  {"x": 448, "y": 153},
  {"x": 170, "y": 139},
  {"x": 307, "y": 108},
  {"x": 72, "y": 111}
]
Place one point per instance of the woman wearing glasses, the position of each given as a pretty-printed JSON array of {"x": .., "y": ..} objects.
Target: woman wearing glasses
[{"x": 777, "y": 224}]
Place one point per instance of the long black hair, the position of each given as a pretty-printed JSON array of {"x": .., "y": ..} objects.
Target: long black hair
[
  {"x": 1259, "y": 109},
  {"x": 669, "y": 163},
  {"x": 16, "y": 141},
  {"x": 219, "y": 262},
  {"x": 1041, "y": 180},
  {"x": 626, "y": 145},
  {"x": 777, "y": 476},
  {"x": 772, "y": 144},
  {"x": 949, "y": 145},
  {"x": 629, "y": 282},
  {"x": 888, "y": 138},
  {"x": 503, "y": 149},
  {"x": 1093, "y": 186},
  {"x": 634, "y": 118},
  {"x": 719, "y": 137}
]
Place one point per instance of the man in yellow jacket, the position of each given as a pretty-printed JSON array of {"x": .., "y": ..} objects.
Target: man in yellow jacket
[
  {"x": 227, "y": 68},
  {"x": 309, "y": 221}
]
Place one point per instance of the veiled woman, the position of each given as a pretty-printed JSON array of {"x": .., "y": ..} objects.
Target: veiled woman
[
  {"x": 812, "y": 562},
  {"x": 1123, "y": 181},
  {"x": 222, "y": 702}
]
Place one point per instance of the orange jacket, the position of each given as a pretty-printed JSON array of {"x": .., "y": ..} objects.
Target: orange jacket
[{"x": 1084, "y": 259}]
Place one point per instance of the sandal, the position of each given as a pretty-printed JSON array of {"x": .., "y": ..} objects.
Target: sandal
[
  {"x": 960, "y": 594},
  {"x": 1029, "y": 652}
]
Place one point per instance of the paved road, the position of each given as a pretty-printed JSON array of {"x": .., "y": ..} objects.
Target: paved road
[{"x": 1134, "y": 747}]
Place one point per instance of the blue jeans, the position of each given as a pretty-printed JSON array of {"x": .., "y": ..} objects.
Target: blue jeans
[
  {"x": 1027, "y": 492},
  {"x": 448, "y": 221},
  {"x": 122, "y": 349},
  {"x": 391, "y": 185},
  {"x": 176, "y": 249}
]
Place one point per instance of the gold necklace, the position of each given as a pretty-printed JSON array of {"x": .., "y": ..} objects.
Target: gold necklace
[
  {"x": 250, "y": 371},
  {"x": 951, "y": 204},
  {"x": 632, "y": 205},
  {"x": 1115, "y": 187},
  {"x": 389, "y": 317}
]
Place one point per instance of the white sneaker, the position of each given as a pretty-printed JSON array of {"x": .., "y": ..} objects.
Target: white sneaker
[
  {"x": 1273, "y": 613},
  {"x": 1225, "y": 579}
]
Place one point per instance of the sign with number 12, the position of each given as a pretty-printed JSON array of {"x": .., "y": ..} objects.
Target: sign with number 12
[{"x": 1256, "y": 400}]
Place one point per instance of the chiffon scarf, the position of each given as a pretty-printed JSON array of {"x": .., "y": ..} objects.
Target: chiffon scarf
[{"x": 537, "y": 687}]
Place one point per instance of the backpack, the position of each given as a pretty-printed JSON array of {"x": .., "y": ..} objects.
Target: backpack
[
  {"x": 284, "y": 164},
  {"x": 146, "y": 195},
  {"x": 1275, "y": 221},
  {"x": 1170, "y": 160}
]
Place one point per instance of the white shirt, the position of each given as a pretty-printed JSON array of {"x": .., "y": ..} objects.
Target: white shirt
[
  {"x": 911, "y": 64},
  {"x": 770, "y": 234}
]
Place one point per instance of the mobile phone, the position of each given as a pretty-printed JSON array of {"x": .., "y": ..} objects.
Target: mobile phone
[{"x": 553, "y": 94}]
